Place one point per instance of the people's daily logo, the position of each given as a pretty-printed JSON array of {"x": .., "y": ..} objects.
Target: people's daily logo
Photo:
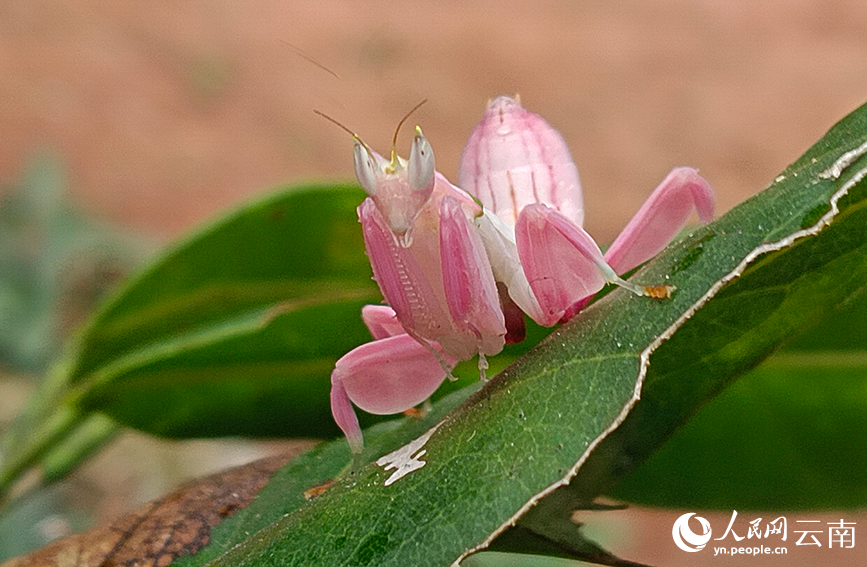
[
  {"x": 685, "y": 538},
  {"x": 762, "y": 536}
]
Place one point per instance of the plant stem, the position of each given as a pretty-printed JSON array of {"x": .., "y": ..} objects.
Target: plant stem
[
  {"x": 89, "y": 435},
  {"x": 28, "y": 449}
]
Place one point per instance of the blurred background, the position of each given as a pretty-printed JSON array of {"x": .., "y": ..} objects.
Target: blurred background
[{"x": 124, "y": 124}]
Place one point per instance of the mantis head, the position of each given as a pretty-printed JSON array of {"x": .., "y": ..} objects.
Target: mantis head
[{"x": 399, "y": 187}]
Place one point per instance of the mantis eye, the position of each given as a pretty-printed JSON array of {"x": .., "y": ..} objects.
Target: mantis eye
[
  {"x": 365, "y": 167},
  {"x": 421, "y": 168}
]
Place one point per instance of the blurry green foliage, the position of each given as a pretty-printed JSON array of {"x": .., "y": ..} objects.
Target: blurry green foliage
[{"x": 55, "y": 263}]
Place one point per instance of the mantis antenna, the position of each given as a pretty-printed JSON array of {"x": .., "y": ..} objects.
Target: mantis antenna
[
  {"x": 357, "y": 137},
  {"x": 399, "y": 124},
  {"x": 303, "y": 55},
  {"x": 337, "y": 123},
  {"x": 344, "y": 128}
]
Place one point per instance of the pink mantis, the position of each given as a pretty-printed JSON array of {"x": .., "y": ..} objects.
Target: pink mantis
[{"x": 455, "y": 273}]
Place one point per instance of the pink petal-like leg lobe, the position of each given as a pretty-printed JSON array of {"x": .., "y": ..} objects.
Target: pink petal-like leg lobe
[
  {"x": 514, "y": 158},
  {"x": 344, "y": 414},
  {"x": 381, "y": 320},
  {"x": 562, "y": 262},
  {"x": 385, "y": 376},
  {"x": 470, "y": 290},
  {"x": 660, "y": 218},
  {"x": 389, "y": 375}
]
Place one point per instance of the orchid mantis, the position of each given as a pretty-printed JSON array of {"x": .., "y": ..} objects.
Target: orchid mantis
[
  {"x": 455, "y": 274},
  {"x": 431, "y": 266}
]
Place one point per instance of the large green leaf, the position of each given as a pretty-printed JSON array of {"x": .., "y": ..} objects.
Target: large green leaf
[
  {"x": 789, "y": 435},
  {"x": 235, "y": 330},
  {"x": 744, "y": 284},
  {"x": 781, "y": 438}
]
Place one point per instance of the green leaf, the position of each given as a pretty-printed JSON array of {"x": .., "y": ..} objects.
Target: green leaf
[
  {"x": 551, "y": 536},
  {"x": 844, "y": 332},
  {"x": 500, "y": 559},
  {"x": 90, "y": 436},
  {"x": 235, "y": 330},
  {"x": 789, "y": 435},
  {"x": 285, "y": 492},
  {"x": 744, "y": 284},
  {"x": 778, "y": 439}
]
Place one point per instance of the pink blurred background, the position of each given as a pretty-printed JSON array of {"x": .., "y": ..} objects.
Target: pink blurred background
[{"x": 166, "y": 113}]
